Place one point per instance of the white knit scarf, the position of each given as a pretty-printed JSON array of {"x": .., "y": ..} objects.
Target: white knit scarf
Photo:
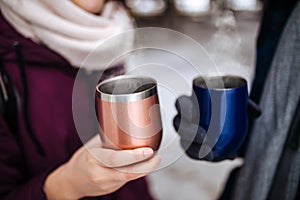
[{"x": 69, "y": 30}]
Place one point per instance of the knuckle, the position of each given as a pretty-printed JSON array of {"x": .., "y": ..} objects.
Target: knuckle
[
  {"x": 92, "y": 175},
  {"x": 94, "y": 180}
]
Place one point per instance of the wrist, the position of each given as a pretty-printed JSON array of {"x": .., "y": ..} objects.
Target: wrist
[{"x": 58, "y": 185}]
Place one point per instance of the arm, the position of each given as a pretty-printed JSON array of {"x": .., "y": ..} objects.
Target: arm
[{"x": 92, "y": 172}]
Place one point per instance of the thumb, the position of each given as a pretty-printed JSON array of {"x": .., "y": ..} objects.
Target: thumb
[{"x": 118, "y": 158}]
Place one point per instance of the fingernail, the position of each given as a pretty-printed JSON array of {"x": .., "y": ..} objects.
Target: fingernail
[{"x": 148, "y": 152}]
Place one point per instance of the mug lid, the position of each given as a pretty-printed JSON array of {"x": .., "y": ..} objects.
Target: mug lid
[{"x": 126, "y": 88}]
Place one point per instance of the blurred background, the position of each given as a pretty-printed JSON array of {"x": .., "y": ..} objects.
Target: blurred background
[{"x": 227, "y": 31}]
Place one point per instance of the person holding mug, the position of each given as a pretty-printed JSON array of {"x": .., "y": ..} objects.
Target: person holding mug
[
  {"x": 271, "y": 151},
  {"x": 43, "y": 43}
]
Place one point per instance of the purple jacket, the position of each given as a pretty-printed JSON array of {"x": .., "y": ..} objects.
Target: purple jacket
[{"x": 50, "y": 80}]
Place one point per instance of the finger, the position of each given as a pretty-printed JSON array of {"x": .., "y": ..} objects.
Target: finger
[
  {"x": 181, "y": 102},
  {"x": 189, "y": 131},
  {"x": 142, "y": 168},
  {"x": 187, "y": 108},
  {"x": 131, "y": 172},
  {"x": 117, "y": 158}
]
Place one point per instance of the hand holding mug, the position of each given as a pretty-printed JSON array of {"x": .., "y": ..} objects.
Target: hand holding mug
[
  {"x": 214, "y": 119},
  {"x": 95, "y": 171}
]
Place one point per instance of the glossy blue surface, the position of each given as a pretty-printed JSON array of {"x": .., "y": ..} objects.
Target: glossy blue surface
[{"x": 223, "y": 114}]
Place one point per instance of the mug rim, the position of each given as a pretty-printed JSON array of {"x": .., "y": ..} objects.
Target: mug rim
[
  {"x": 130, "y": 97},
  {"x": 242, "y": 82}
]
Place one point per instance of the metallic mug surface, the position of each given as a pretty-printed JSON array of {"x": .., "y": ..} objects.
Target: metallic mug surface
[
  {"x": 129, "y": 112},
  {"x": 222, "y": 105}
]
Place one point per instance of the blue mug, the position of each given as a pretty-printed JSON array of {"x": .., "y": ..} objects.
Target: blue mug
[{"x": 222, "y": 102}]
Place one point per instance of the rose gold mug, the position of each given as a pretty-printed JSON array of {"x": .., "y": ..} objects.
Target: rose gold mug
[{"x": 129, "y": 113}]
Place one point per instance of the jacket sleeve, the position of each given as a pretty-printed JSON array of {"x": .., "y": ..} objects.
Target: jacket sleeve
[{"x": 15, "y": 182}]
